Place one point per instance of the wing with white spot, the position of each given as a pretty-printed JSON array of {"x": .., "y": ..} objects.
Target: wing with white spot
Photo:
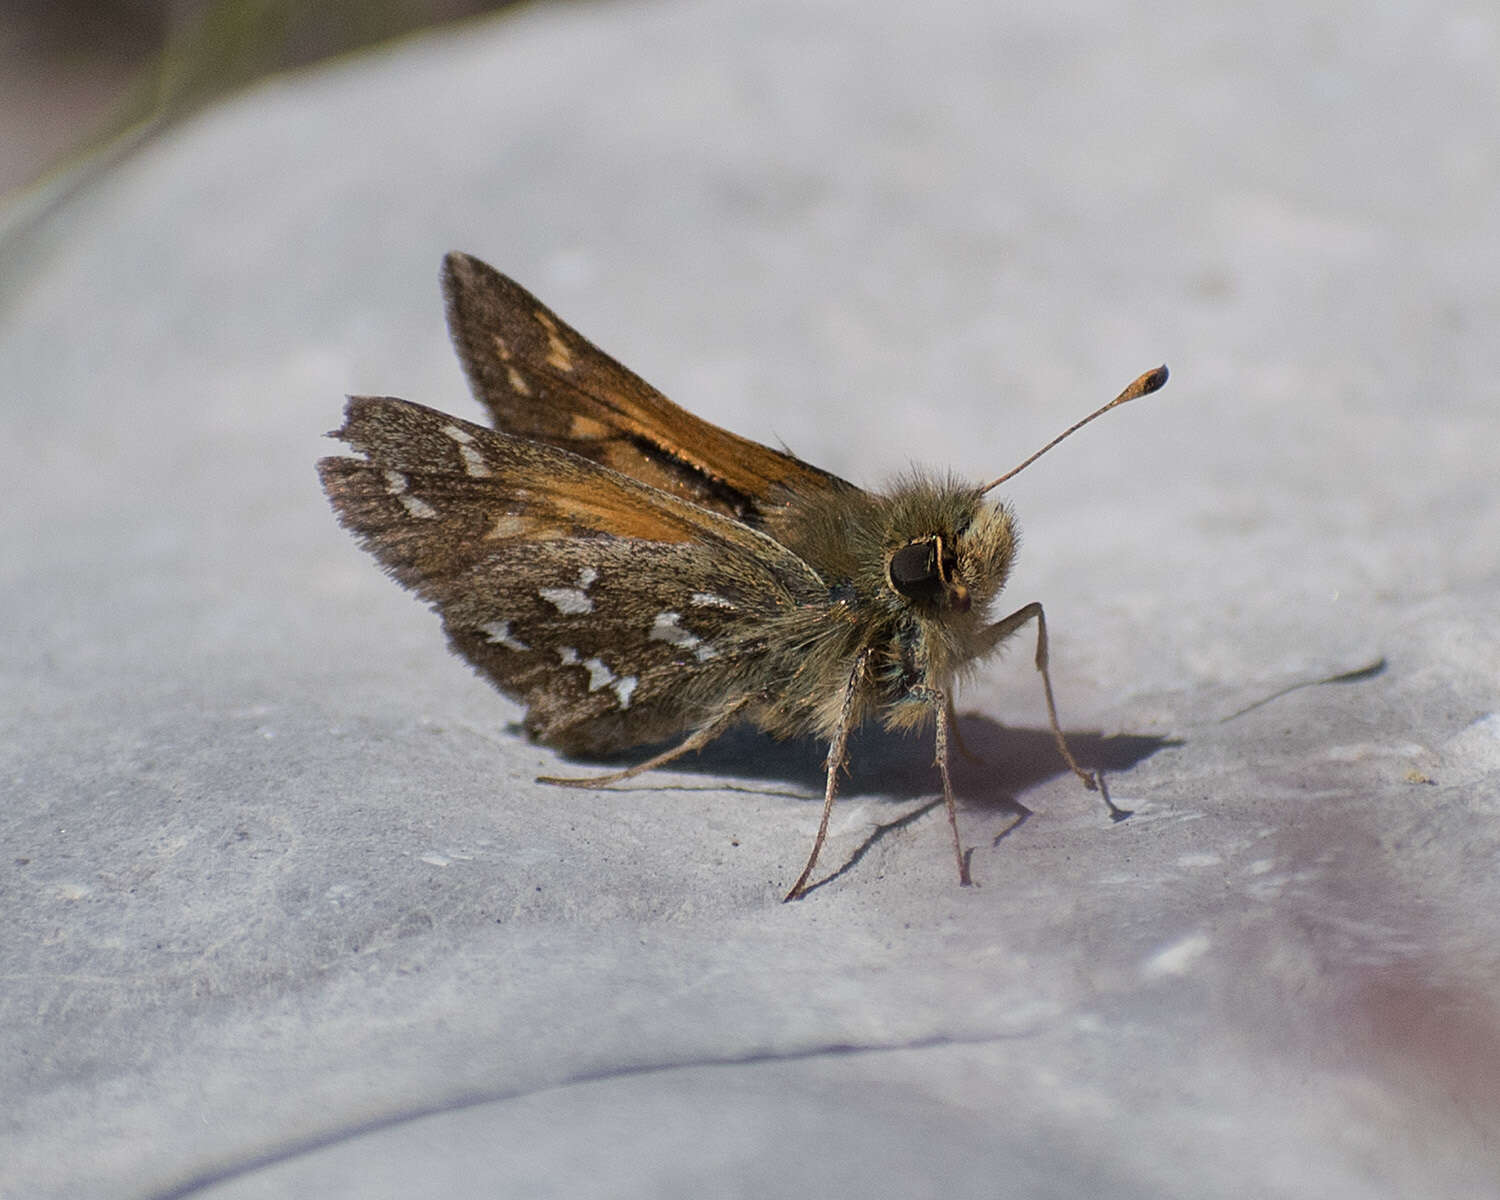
[
  {"x": 543, "y": 380},
  {"x": 618, "y": 614}
]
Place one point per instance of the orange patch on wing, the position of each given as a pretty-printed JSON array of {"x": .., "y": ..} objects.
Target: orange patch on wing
[
  {"x": 623, "y": 514},
  {"x": 517, "y": 381},
  {"x": 589, "y": 428},
  {"x": 511, "y": 527},
  {"x": 558, "y": 354}
]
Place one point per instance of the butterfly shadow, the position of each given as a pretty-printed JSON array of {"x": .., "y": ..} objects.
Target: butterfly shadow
[
  {"x": 999, "y": 763},
  {"x": 1002, "y": 762}
]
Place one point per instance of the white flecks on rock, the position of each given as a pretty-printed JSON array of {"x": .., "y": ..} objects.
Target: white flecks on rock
[{"x": 1178, "y": 958}]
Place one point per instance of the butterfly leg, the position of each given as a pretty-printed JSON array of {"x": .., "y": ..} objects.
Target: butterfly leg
[
  {"x": 694, "y": 741},
  {"x": 837, "y": 752},
  {"x": 1001, "y": 630},
  {"x": 942, "y": 709},
  {"x": 958, "y": 737},
  {"x": 942, "y": 705}
]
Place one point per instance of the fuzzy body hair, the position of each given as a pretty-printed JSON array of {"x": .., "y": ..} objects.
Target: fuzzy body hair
[{"x": 919, "y": 647}]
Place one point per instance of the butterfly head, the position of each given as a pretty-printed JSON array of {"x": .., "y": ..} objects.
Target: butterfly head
[{"x": 949, "y": 552}]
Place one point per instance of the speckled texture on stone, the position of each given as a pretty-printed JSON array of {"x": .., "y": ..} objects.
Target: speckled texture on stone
[{"x": 286, "y": 914}]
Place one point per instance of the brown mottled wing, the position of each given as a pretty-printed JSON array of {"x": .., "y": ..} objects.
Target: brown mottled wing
[
  {"x": 616, "y": 613},
  {"x": 542, "y": 380}
]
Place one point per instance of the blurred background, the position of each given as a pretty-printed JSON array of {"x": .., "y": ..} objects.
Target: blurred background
[{"x": 76, "y": 74}]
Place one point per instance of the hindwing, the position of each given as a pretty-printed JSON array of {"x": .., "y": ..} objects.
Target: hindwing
[{"x": 616, "y": 612}]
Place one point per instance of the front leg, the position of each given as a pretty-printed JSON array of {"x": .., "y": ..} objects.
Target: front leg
[
  {"x": 1001, "y": 630},
  {"x": 942, "y": 707}
]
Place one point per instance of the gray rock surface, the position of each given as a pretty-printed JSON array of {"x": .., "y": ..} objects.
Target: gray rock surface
[{"x": 286, "y": 914}]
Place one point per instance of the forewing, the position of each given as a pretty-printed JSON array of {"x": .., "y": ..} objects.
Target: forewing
[
  {"x": 540, "y": 379},
  {"x": 617, "y": 613}
]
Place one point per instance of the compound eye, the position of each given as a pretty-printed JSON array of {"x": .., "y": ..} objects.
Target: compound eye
[{"x": 913, "y": 570}]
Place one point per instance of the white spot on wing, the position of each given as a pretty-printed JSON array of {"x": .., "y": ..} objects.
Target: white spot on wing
[
  {"x": 395, "y": 485},
  {"x": 574, "y": 600},
  {"x": 474, "y": 464},
  {"x": 568, "y": 601},
  {"x": 666, "y": 629},
  {"x": 624, "y": 686},
  {"x": 711, "y": 600},
  {"x": 416, "y": 506},
  {"x": 599, "y": 674},
  {"x": 462, "y": 436},
  {"x": 499, "y": 634}
]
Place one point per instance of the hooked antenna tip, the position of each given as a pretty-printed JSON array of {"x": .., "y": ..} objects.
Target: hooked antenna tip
[{"x": 1143, "y": 386}]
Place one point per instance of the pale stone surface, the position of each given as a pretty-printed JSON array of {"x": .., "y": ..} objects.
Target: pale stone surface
[{"x": 284, "y": 907}]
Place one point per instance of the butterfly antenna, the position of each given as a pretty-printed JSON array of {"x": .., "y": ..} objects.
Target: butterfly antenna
[{"x": 1150, "y": 382}]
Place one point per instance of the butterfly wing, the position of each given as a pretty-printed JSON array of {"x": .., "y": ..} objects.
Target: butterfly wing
[
  {"x": 617, "y": 613},
  {"x": 542, "y": 380}
]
